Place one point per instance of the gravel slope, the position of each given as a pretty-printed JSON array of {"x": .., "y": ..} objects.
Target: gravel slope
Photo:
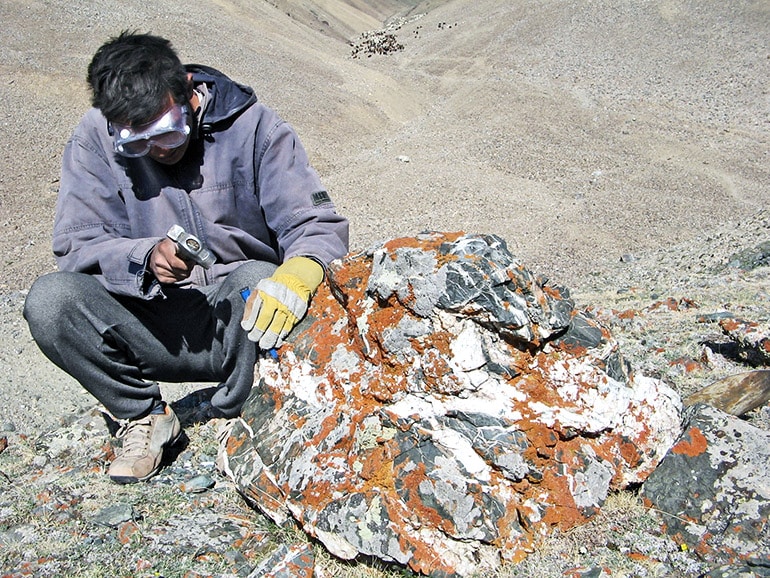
[{"x": 579, "y": 132}]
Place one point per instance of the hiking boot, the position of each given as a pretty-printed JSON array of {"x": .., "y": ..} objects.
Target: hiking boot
[{"x": 143, "y": 443}]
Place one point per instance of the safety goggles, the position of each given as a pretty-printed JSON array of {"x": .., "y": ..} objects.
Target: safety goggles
[{"x": 168, "y": 131}]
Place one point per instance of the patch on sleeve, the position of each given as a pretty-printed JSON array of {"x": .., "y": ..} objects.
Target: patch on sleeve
[{"x": 321, "y": 198}]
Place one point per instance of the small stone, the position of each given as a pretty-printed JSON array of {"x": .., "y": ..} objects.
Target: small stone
[
  {"x": 588, "y": 572},
  {"x": 126, "y": 531},
  {"x": 114, "y": 515},
  {"x": 198, "y": 484},
  {"x": 203, "y": 531},
  {"x": 295, "y": 561},
  {"x": 716, "y": 316},
  {"x": 207, "y": 461},
  {"x": 237, "y": 561},
  {"x": 18, "y": 535}
]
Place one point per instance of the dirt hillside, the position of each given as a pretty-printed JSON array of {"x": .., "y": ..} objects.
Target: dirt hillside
[{"x": 577, "y": 131}]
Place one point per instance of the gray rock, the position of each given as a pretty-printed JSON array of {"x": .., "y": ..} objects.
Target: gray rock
[
  {"x": 204, "y": 530},
  {"x": 114, "y": 515},
  {"x": 198, "y": 484},
  {"x": 715, "y": 485},
  {"x": 751, "y": 258}
]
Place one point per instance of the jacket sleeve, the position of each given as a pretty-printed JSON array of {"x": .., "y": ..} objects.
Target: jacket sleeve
[
  {"x": 296, "y": 205},
  {"x": 92, "y": 233}
]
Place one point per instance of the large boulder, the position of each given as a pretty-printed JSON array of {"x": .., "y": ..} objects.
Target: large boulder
[{"x": 444, "y": 408}]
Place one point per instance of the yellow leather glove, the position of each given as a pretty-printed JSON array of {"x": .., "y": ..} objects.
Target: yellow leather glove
[{"x": 280, "y": 301}]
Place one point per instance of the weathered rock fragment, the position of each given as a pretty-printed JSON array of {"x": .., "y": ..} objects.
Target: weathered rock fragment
[
  {"x": 752, "y": 339},
  {"x": 714, "y": 484},
  {"x": 443, "y": 408},
  {"x": 295, "y": 561},
  {"x": 735, "y": 394}
]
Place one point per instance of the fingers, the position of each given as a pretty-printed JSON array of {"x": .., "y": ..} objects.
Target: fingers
[
  {"x": 272, "y": 337},
  {"x": 166, "y": 265},
  {"x": 251, "y": 311},
  {"x": 266, "y": 320},
  {"x": 271, "y": 312}
]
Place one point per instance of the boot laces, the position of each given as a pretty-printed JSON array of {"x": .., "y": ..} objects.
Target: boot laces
[{"x": 136, "y": 436}]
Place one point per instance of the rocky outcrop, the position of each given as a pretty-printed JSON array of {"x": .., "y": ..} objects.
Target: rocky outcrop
[{"x": 444, "y": 408}]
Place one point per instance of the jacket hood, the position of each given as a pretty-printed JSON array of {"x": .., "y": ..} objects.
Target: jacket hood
[{"x": 228, "y": 98}]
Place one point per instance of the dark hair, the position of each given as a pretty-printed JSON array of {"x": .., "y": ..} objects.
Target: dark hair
[{"x": 131, "y": 76}]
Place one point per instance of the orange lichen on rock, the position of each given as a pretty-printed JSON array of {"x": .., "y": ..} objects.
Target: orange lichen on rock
[
  {"x": 377, "y": 468},
  {"x": 410, "y": 480},
  {"x": 687, "y": 363},
  {"x": 443, "y": 408},
  {"x": 629, "y": 452},
  {"x": 693, "y": 443},
  {"x": 560, "y": 511},
  {"x": 628, "y": 314}
]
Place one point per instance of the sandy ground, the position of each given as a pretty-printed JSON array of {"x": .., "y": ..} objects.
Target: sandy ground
[{"x": 578, "y": 131}]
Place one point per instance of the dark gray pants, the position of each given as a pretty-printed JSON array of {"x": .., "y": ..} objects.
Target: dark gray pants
[{"x": 119, "y": 347}]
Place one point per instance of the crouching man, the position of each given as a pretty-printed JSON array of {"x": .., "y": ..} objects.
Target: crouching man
[{"x": 164, "y": 145}]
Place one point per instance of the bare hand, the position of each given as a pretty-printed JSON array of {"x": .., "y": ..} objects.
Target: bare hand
[{"x": 166, "y": 265}]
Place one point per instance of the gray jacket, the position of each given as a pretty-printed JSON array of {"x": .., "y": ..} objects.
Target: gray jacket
[{"x": 245, "y": 188}]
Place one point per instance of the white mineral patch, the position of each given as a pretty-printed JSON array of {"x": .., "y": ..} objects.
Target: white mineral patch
[
  {"x": 477, "y": 378},
  {"x": 246, "y": 426},
  {"x": 304, "y": 384},
  {"x": 492, "y": 398},
  {"x": 462, "y": 451},
  {"x": 566, "y": 384},
  {"x": 655, "y": 415},
  {"x": 412, "y": 405},
  {"x": 336, "y": 544},
  {"x": 340, "y": 326},
  {"x": 302, "y": 469},
  {"x": 466, "y": 557},
  {"x": 362, "y": 323},
  {"x": 581, "y": 379},
  {"x": 596, "y": 401},
  {"x": 345, "y": 363},
  {"x": 514, "y": 463},
  {"x": 384, "y": 280},
  {"x": 593, "y": 422},
  {"x": 466, "y": 348},
  {"x": 533, "y": 509}
]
